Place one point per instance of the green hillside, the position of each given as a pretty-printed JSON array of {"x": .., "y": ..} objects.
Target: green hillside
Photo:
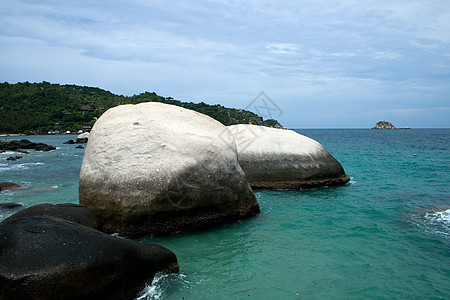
[{"x": 42, "y": 107}]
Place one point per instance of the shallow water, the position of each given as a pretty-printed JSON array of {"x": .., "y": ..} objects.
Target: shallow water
[{"x": 384, "y": 235}]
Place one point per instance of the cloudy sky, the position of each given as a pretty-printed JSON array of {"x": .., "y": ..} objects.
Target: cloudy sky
[{"x": 322, "y": 63}]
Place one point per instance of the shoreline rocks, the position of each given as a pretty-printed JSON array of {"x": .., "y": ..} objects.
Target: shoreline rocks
[
  {"x": 45, "y": 257},
  {"x": 14, "y": 158},
  {"x": 155, "y": 168},
  {"x": 83, "y": 138},
  {"x": 283, "y": 159},
  {"x": 18, "y": 145}
]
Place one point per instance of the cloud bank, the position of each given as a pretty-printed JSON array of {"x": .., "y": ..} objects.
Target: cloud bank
[{"x": 325, "y": 63}]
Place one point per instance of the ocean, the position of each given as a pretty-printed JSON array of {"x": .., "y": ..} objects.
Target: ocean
[{"x": 385, "y": 235}]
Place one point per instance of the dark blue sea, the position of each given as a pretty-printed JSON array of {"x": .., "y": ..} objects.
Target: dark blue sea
[{"x": 385, "y": 235}]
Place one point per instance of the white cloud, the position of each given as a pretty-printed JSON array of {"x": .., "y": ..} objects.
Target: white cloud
[
  {"x": 283, "y": 48},
  {"x": 386, "y": 55}
]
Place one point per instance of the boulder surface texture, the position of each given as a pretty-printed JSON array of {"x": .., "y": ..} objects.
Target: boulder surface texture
[
  {"x": 154, "y": 168},
  {"x": 283, "y": 159},
  {"x": 50, "y": 258},
  {"x": 66, "y": 211}
]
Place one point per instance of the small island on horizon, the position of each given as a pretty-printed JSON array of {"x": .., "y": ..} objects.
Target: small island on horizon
[{"x": 387, "y": 125}]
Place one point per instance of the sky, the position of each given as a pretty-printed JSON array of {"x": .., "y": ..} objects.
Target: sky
[{"x": 308, "y": 64}]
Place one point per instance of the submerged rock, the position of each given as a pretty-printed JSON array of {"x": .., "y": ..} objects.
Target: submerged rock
[
  {"x": 14, "y": 158},
  {"x": 154, "y": 168},
  {"x": 10, "y": 206},
  {"x": 66, "y": 211},
  {"x": 9, "y": 186},
  {"x": 283, "y": 159},
  {"x": 49, "y": 258}
]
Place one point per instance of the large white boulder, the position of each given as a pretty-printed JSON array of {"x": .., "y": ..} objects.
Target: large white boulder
[
  {"x": 283, "y": 159},
  {"x": 158, "y": 168}
]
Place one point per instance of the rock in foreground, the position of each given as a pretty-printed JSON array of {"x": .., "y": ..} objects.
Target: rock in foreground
[
  {"x": 49, "y": 258},
  {"x": 155, "y": 168},
  {"x": 283, "y": 159}
]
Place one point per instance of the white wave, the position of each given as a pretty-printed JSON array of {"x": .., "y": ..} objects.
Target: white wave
[
  {"x": 8, "y": 153},
  {"x": 116, "y": 234},
  {"x": 157, "y": 290},
  {"x": 18, "y": 167},
  {"x": 439, "y": 216},
  {"x": 438, "y": 222}
]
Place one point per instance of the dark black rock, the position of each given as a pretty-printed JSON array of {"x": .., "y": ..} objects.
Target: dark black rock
[
  {"x": 10, "y": 206},
  {"x": 82, "y": 140},
  {"x": 14, "y": 158},
  {"x": 49, "y": 258},
  {"x": 68, "y": 211},
  {"x": 43, "y": 147},
  {"x": 79, "y": 147},
  {"x": 22, "y": 144},
  {"x": 70, "y": 142},
  {"x": 17, "y": 145},
  {"x": 9, "y": 186}
]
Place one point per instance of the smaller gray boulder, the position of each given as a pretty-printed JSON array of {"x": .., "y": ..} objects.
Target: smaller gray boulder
[{"x": 283, "y": 159}]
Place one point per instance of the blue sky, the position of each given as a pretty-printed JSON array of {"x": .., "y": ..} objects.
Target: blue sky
[{"x": 324, "y": 64}]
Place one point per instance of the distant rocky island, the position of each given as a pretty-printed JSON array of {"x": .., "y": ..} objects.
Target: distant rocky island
[{"x": 387, "y": 125}]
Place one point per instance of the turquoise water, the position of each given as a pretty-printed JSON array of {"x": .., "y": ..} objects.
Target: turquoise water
[{"x": 385, "y": 235}]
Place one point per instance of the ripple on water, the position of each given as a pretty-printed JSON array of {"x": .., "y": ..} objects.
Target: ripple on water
[{"x": 18, "y": 167}]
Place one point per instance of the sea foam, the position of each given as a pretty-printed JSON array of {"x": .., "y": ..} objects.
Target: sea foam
[
  {"x": 439, "y": 216},
  {"x": 160, "y": 284}
]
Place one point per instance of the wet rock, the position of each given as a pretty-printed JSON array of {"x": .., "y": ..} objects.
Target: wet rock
[
  {"x": 66, "y": 211},
  {"x": 17, "y": 145},
  {"x": 10, "y": 206},
  {"x": 49, "y": 258},
  {"x": 14, "y": 158}
]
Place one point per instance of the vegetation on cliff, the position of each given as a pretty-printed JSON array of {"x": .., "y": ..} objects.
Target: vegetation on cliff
[
  {"x": 42, "y": 107},
  {"x": 383, "y": 125}
]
